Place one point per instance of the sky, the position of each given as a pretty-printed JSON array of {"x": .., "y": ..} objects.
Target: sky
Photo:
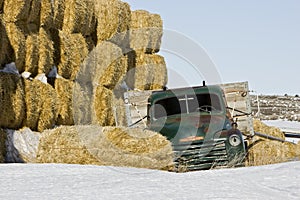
[{"x": 255, "y": 41}]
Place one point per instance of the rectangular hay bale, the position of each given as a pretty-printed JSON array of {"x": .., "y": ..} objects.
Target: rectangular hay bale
[
  {"x": 6, "y": 51},
  {"x": 16, "y": 10},
  {"x": 46, "y": 14},
  {"x": 58, "y": 13},
  {"x": 46, "y": 52},
  {"x": 32, "y": 54}
]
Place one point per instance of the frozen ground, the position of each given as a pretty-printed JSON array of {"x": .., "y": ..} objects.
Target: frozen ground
[{"x": 57, "y": 181}]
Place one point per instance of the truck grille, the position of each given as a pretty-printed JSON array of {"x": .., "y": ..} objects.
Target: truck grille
[{"x": 199, "y": 156}]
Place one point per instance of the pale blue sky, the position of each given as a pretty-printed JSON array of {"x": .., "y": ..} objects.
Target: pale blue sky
[{"x": 256, "y": 41}]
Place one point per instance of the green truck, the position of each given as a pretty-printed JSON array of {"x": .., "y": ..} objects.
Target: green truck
[{"x": 198, "y": 122}]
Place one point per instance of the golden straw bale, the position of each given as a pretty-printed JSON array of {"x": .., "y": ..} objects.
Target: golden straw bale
[
  {"x": 107, "y": 14},
  {"x": 110, "y": 146},
  {"x": 103, "y": 106},
  {"x": 97, "y": 62},
  {"x": 145, "y": 31},
  {"x": 64, "y": 89},
  {"x": 46, "y": 52},
  {"x": 18, "y": 43},
  {"x": 79, "y": 17},
  {"x": 121, "y": 37},
  {"x": 114, "y": 73},
  {"x": 73, "y": 51},
  {"x": 12, "y": 103},
  {"x": 58, "y": 12},
  {"x": 148, "y": 72},
  {"x": 34, "y": 14},
  {"x": 263, "y": 128},
  {"x": 41, "y": 105},
  {"x": 16, "y": 10},
  {"x": 63, "y": 145},
  {"x": 2, "y": 144},
  {"x": 46, "y": 14},
  {"x": 6, "y": 51},
  {"x": 32, "y": 54}
]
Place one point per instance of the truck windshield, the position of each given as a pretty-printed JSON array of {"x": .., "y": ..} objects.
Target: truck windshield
[{"x": 209, "y": 103}]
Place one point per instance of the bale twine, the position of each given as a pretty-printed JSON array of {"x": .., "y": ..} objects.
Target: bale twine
[
  {"x": 64, "y": 145},
  {"x": 79, "y": 17},
  {"x": 266, "y": 151},
  {"x": 32, "y": 54},
  {"x": 102, "y": 105},
  {"x": 149, "y": 72},
  {"x": 64, "y": 90},
  {"x": 73, "y": 51},
  {"x": 2, "y": 143},
  {"x": 22, "y": 146},
  {"x": 18, "y": 43},
  {"x": 46, "y": 52},
  {"x": 46, "y": 14},
  {"x": 6, "y": 51},
  {"x": 107, "y": 14},
  {"x": 12, "y": 103},
  {"x": 145, "y": 31},
  {"x": 41, "y": 105},
  {"x": 112, "y": 146},
  {"x": 16, "y": 10},
  {"x": 58, "y": 13}
]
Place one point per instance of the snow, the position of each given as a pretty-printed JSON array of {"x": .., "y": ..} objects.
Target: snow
[
  {"x": 59, "y": 181},
  {"x": 10, "y": 68}
]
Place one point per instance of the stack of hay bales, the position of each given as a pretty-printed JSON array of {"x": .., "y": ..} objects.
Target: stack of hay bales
[
  {"x": 2, "y": 144},
  {"x": 106, "y": 146},
  {"x": 269, "y": 151}
]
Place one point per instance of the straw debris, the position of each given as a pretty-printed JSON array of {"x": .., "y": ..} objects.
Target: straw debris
[
  {"x": 12, "y": 103},
  {"x": 79, "y": 17},
  {"x": 73, "y": 51}
]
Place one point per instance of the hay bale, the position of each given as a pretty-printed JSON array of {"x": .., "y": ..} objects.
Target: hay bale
[
  {"x": 146, "y": 31},
  {"x": 12, "y": 103},
  {"x": 17, "y": 40},
  {"x": 103, "y": 106},
  {"x": 73, "y": 51},
  {"x": 149, "y": 72},
  {"x": 58, "y": 12},
  {"x": 2, "y": 144},
  {"x": 79, "y": 17},
  {"x": 107, "y": 14},
  {"x": 46, "y": 52},
  {"x": 41, "y": 105},
  {"x": 266, "y": 151},
  {"x": 34, "y": 15},
  {"x": 6, "y": 50},
  {"x": 16, "y": 10},
  {"x": 63, "y": 145},
  {"x": 110, "y": 146},
  {"x": 64, "y": 90},
  {"x": 46, "y": 14},
  {"x": 22, "y": 146},
  {"x": 1, "y": 6},
  {"x": 32, "y": 54}
]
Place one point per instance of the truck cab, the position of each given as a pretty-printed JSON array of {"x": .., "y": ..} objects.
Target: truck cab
[{"x": 198, "y": 123}]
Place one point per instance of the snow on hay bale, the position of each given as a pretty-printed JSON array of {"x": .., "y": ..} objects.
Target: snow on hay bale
[
  {"x": 32, "y": 54},
  {"x": 148, "y": 72},
  {"x": 46, "y": 52},
  {"x": 73, "y": 51},
  {"x": 113, "y": 146},
  {"x": 266, "y": 151},
  {"x": 79, "y": 17},
  {"x": 16, "y": 10},
  {"x": 64, "y": 89},
  {"x": 146, "y": 31},
  {"x": 41, "y": 105},
  {"x": 18, "y": 43},
  {"x": 12, "y": 103},
  {"x": 2, "y": 145},
  {"x": 22, "y": 146}
]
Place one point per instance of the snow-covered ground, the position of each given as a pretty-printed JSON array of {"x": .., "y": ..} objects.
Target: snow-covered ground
[{"x": 58, "y": 181}]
